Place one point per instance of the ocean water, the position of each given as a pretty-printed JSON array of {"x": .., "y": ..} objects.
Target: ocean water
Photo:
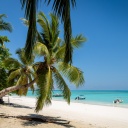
[{"x": 96, "y": 97}]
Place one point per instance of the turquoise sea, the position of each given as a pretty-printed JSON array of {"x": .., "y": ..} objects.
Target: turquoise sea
[{"x": 97, "y": 97}]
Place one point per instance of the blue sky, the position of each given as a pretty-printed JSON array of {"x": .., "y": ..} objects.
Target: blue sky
[{"x": 104, "y": 56}]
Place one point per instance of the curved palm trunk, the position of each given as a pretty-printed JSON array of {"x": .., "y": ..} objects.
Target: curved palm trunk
[{"x": 14, "y": 88}]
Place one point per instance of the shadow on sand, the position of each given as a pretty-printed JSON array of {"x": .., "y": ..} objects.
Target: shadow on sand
[
  {"x": 38, "y": 119},
  {"x": 17, "y": 105},
  {"x": 35, "y": 119}
]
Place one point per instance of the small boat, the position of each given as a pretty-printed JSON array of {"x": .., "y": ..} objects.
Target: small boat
[
  {"x": 80, "y": 97},
  {"x": 118, "y": 101},
  {"x": 57, "y": 95}
]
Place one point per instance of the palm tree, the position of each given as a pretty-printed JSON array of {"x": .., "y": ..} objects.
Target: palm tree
[
  {"x": 53, "y": 68},
  {"x": 61, "y": 8},
  {"x": 3, "y": 39},
  {"x": 4, "y": 52},
  {"x": 4, "y": 25},
  {"x": 21, "y": 72}
]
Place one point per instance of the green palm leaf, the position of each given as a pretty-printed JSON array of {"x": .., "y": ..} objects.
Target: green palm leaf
[
  {"x": 54, "y": 26},
  {"x": 56, "y": 44},
  {"x": 23, "y": 58},
  {"x": 60, "y": 53},
  {"x": 78, "y": 41},
  {"x": 22, "y": 81},
  {"x": 44, "y": 83},
  {"x": 2, "y": 15},
  {"x": 61, "y": 84},
  {"x": 14, "y": 74},
  {"x": 49, "y": 93},
  {"x": 25, "y": 22},
  {"x": 50, "y": 32},
  {"x": 3, "y": 39},
  {"x": 30, "y": 15},
  {"x": 12, "y": 63},
  {"x": 41, "y": 50},
  {"x": 73, "y": 74},
  {"x": 5, "y": 26},
  {"x": 32, "y": 86},
  {"x": 62, "y": 9},
  {"x": 42, "y": 20}
]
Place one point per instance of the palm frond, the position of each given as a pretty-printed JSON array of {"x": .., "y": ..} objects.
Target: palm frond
[
  {"x": 21, "y": 55},
  {"x": 22, "y": 81},
  {"x": 39, "y": 38},
  {"x": 14, "y": 74},
  {"x": 49, "y": 93},
  {"x": 50, "y": 31},
  {"x": 25, "y": 22},
  {"x": 36, "y": 66},
  {"x": 5, "y": 26},
  {"x": 78, "y": 41},
  {"x": 27, "y": 4},
  {"x": 23, "y": 58},
  {"x": 57, "y": 1},
  {"x": 75, "y": 42},
  {"x": 32, "y": 71},
  {"x": 60, "y": 53},
  {"x": 41, "y": 50},
  {"x": 44, "y": 83},
  {"x": 32, "y": 86},
  {"x": 13, "y": 63},
  {"x": 54, "y": 26},
  {"x": 56, "y": 43},
  {"x": 11, "y": 82},
  {"x": 42, "y": 20},
  {"x": 3, "y": 39},
  {"x": 2, "y": 15},
  {"x": 61, "y": 84},
  {"x": 73, "y": 74},
  {"x": 30, "y": 14},
  {"x": 62, "y": 9}
]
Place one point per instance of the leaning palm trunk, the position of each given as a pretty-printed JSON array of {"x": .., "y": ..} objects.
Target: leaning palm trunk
[{"x": 14, "y": 88}]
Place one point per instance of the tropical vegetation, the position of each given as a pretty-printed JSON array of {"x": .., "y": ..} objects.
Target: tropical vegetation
[
  {"x": 20, "y": 72},
  {"x": 4, "y": 25},
  {"x": 4, "y": 52},
  {"x": 61, "y": 8},
  {"x": 51, "y": 70},
  {"x": 53, "y": 67}
]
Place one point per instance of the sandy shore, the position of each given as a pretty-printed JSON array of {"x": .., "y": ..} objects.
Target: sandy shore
[{"x": 80, "y": 115}]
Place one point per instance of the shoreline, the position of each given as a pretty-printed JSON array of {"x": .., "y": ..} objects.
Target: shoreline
[
  {"x": 98, "y": 103},
  {"x": 79, "y": 115},
  {"x": 95, "y": 97},
  {"x": 120, "y": 105}
]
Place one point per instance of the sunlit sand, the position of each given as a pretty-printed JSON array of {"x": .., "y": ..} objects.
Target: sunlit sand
[{"x": 79, "y": 115}]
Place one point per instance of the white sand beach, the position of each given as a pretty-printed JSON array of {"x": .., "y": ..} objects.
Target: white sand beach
[{"x": 80, "y": 115}]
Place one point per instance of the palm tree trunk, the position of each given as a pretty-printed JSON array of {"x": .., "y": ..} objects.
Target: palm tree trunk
[{"x": 14, "y": 88}]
